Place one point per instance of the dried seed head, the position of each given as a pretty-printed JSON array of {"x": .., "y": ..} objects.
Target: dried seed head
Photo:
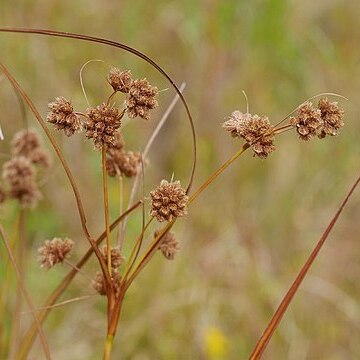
[
  {"x": 141, "y": 99},
  {"x": 120, "y": 80},
  {"x": 20, "y": 175},
  {"x": 125, "y": 163},
  {"x": 99, "y": 285},
  {"x": 18, "y": 170},
  {"x": 62, "y": 116},
  {"x": 25, "y": 142},
  {"x": 54, "y": 251},
  {"x": 255, "y": 130},
  {"x": 169, "y": 245},
  {"x": 116, "y": 258},
  {"x": 102, "y": 124},
  {"x": 234, "y": 121},
  {"x": 118, "y": 145},
  {"x": 168, "y": 201},
  {"x": 41, "y": 157},
  {"x": 307, "y": 121},
  {"x": 27, "y": 194},
  {"x": 332, "y": 117}
]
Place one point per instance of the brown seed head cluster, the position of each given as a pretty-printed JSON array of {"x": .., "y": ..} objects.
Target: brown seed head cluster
[
  {"x": 62, "y": 116},
  {"x": 141, "y": 99},
  {"x": 121, "y": 162},
  {"x": 255, "y": 130},
  {"x": 169, "y": 246},
  {"x": 103, "y": 121},
  {"x": 99, "y": 285},
  {"x": 124, "y": 163},
  {"x": 332, "y": 117},
  {"x": 116, "y": 258},
  {"x": 54, "y": 251},
  {"x": 27, "y": 143},
  {"x": 307, "y": 122},
  {"x": 168, "y": 201},
  {"x": 120, "y": 80},
  {"x": 324, "y": 120},
  {"x": 19, "y": 174}
]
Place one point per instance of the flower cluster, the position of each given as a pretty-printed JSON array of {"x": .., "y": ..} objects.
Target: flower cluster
[
  {"x": 54, "y": 251},
  {"x": 62, "y": 116},
  {"x": 27, "y": 143},
  {"x": 169, "y": 245},
  {"x": 324, "y": 120},
  {"x": 19, "y": 173},
  {"x": 168, "y": 201},
  {"x": 258, "y": 132},
  {"x": 101, "y": 123},
  {"x": 255, "y": 130},
  {"x": 120, "y": 161}
]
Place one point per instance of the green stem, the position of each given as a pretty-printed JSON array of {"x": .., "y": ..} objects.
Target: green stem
[{"x": 108, "y": 347}]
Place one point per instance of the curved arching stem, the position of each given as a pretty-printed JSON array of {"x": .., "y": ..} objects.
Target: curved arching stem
[{"x": 130, "y": 50}]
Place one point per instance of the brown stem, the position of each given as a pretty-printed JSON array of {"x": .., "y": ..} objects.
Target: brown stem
[
  {"x": 31, "y": 333},
  {"x": 274, "y": 322},
  {"x": 132, "y": 51},
  {"x": 106, "y": 208},
  {"x": 25, "y": 294},
  {"x": 16, "y": 323}
]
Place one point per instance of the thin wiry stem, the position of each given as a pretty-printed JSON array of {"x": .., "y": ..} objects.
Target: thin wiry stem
[
  {"x": 63, "y": 303},
  {"x": 309, "y": 99},
  {"x": 16, "y": 321},
  {"x": 60, "y": 289},
  {"x": 120, "y": 234},
  {"x": 106, "y": 208},
  {"x": 274, "y": 322},
  {"x": 132, "y": 51},
  {"x": 156, "y": 242},
  {"x": 62, "y": 159},
  {"x": 146, "y": 151},
  {"x": 81, "y": 78},
  {"x": 25, "y": 294},
  {"x": 217, "y": 173}
]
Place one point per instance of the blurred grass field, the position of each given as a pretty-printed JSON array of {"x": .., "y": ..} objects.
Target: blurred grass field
[{"x": 247, "y": 236}]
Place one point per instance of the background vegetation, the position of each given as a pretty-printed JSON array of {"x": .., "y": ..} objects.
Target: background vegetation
[{"x": 246, "y": 236}]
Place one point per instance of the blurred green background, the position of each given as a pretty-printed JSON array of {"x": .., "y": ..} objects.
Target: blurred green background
[{"x": 247, "y": 236}]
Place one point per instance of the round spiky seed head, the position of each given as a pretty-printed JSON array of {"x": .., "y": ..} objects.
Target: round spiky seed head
[
  {"x": 332, "y": 118},
  {"x": 126, "y": 163},
  {"x": 255, "y": 130},
  {"x": 169, "y": 246},
  {"x": 116, "y": 258},
  {"x": 54, "y": 251},
  {"x": 141, "y": 99},
  {"x": 62, "y": 116},
  {"x": 103, "y": 122},
  {"x": 98, "y": 283},
  {"x": 25, "y": 142},
  {"x": 18, "y": 170},
  {"x": 120, "y": 80},
  {"x": 20, "y": 175},
  {"x": 307, "y": 121},
  {"x": 168, "y": 201}
]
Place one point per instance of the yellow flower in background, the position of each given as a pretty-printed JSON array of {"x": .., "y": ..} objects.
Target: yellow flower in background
[{"x": 216, "y": 344}]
